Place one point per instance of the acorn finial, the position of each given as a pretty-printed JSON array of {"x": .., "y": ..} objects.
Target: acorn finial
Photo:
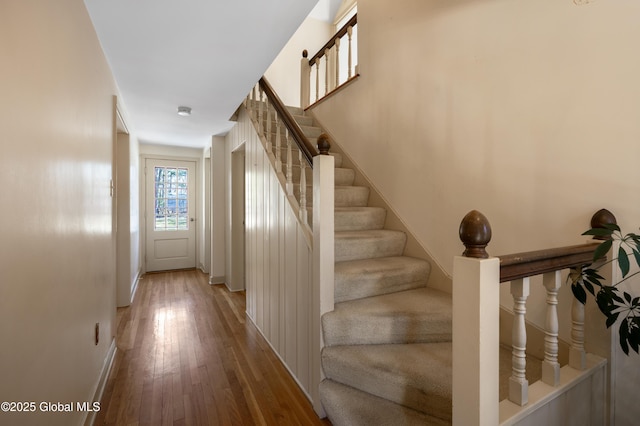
[
  {"x": 323, "y": 144},
  {"x": 475, "y": 234},
  {"x": 600, "y": 218}
]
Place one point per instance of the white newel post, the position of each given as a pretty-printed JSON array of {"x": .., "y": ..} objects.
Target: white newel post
[
  {"x": 476, "y": 317},
  {"x": 323, "y": 251},
  {"x": 305, "y": 81}
]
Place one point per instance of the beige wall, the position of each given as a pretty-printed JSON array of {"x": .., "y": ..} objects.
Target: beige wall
[
  {"x": 504, "y": 107},
  {"x": 525, "y": 110},
  {"x": 284, "y": 73},
  {"x": 57, "y": 257}
]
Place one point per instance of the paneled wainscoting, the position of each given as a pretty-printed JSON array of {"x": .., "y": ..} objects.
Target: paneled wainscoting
[{"x": 187, "y": 356}]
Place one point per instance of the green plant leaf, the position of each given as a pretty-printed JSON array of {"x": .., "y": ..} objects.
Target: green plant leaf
[
  {"x": 623, "y": 261},
  {"x": 593, "y": 273},
  {"x": 612, "y": 226},
  {"x": 611, "y": 319},
  {"x": 623, "y": 333},
  {"x": 636, "y": 254},
  {"x": 602, "y": 249},
  {"x": 599, "y": 232},
  {"x": 594, "y": 281},
  {"x": 627, "y": 297},
  {"x": 579, "y": 293},
  {"x": 589, "y": 287}
]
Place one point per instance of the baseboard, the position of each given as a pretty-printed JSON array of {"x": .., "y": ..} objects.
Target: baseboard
[
  {"x": 217, "y": 280},
  {"x": 319, "y": 410},
  {"x": 134, "y": 288},
  {"x": 102, "y": 382}
]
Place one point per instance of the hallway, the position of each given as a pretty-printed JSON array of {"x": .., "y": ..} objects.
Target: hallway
[{"x": 187, "y": 355}]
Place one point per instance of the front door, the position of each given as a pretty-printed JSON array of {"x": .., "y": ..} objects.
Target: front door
[{"x": 170, "y": 214}]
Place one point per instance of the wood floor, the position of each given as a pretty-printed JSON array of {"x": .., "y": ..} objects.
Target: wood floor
[{"x": 188, "y": 356}]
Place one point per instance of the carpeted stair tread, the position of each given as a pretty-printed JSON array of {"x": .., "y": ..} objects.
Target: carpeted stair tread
[
  {"x": 303, "y": 120},
  {"x": 414, "y": 316},
  {"x": 359, "y": 218},
  {"x": 357, "y": 196},
  {"x": 417, "y": 376},
  {"x": 353, "y": 245},
  {"x": 346, "y": 406},
  {"x": 372, "y": 277}
]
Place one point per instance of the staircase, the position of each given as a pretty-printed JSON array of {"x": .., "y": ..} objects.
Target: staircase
[{"x": 387, "y": 355}]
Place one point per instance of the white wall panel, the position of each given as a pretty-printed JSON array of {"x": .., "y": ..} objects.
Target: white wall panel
[{"x": 278, "y": 259}]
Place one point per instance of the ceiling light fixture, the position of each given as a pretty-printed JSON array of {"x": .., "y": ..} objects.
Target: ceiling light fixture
[{"x": 184, "y": 111}]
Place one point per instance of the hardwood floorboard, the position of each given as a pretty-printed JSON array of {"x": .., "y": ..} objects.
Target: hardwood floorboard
[{"x": 188, "y": 356}]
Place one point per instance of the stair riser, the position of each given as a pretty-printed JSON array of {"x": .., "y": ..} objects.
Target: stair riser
[
  {"x": 349, "y": 246},
  {"x": 415, "y": 376},
  {"x": 360, "y": 219},
  {"x": 356, "y": 196},
  {"x": 346, "y": 406},
  {"x": 359, "y": 279},
  {"x": 414, "y": 316}
]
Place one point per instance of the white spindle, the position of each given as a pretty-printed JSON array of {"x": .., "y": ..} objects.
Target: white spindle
[
  {"x": 550, "y": 366},
  {"x": 350, "y": 33},
  {"x": 260, "y": 108},
  {"x": 303, "y": 187},
  {"x": 326, "y": 71},
  {"x": 317, "y": 79},
  {"x": 278, "y": 145},
  {"x": 577, "y": 355},
  {"x": 268, "y": 132},
  {"x": 305, "y": 81},
  {"x": 253, "y": 103},
  {"x": 518, "y": 384},
  {"x": 289, "y": 164},
  {"x": 337, "y": 82}
]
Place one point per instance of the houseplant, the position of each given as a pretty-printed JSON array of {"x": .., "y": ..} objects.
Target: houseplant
[{"x": 612, "y": 301}]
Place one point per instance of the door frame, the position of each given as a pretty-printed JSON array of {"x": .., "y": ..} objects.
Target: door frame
[{"x": 156, "y": 152}]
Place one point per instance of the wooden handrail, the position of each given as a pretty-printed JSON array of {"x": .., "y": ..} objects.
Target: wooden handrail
[
  {"x": 328, "y": 45},
  {"x": 296, "y": 132},
  {"x": 475, "y": 234},
  {"x": 527, "y": 264}
]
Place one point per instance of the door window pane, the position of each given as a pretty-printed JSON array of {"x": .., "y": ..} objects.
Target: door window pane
[{"x": 171, "y": 199}]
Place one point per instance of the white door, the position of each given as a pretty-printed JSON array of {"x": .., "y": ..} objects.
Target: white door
[{"x": 170, "y": 214}]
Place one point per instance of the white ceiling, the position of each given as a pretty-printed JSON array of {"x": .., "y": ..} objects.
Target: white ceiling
[{"x": 205, "y": 54}]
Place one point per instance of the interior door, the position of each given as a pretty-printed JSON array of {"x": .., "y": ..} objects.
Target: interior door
[{"x": 170, "y": 214}]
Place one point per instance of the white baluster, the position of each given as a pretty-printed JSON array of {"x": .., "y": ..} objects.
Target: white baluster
[
  {"x": 278, "y": 145},
  {"x": 326, "y": 71},
  {"x": 317, "y": 79},
  {"x": 550, "y": 366},
  {"x": 518, "y": 384},
  {"x": 305, "y": 80},
  {"x": 577, "y": 355},
  {"x": 289, "y": 164},
  {"x": 268, "y": 132},
  {"x": 350, "y": 32},
  {"x": 337, "y": 82},
  {"x": 260, "y": 109},
  {"x": 253, "y": 103},
  {"x": 303, "y": 187}
]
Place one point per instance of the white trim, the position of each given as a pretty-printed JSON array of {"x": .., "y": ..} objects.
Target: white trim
[
  {"x": 217, "y": 280},
  {"x": 134, "y": 287},
  {"x": 102, "y": 382}
]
